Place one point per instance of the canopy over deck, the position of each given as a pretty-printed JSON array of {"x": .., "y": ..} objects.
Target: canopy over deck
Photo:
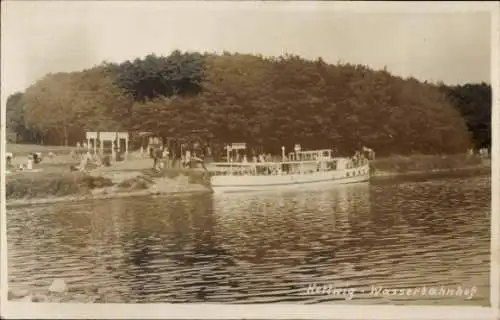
[{"x": 311, "y": 155}]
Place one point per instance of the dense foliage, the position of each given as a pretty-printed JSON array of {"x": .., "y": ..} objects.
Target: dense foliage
[
  {"x": 474, "y": 103},
  {"x": 266, "y": 102}
]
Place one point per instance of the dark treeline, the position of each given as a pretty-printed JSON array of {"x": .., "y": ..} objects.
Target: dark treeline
[
  {"x": 265, "y": 102},
  {"x": 475, "y": 104}
]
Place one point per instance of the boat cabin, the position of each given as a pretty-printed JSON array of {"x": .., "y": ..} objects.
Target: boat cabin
[
  {"x": 313, "y": 155},
  {"x": 272, "y": 168}
]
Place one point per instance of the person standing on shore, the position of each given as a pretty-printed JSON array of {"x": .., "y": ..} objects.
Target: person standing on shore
[
  {"x": 187, "y": 159},
  {"x": 165, "y": 155},
  {"x": 9, "y": 156},
  {"x": 156, "y": 154}
]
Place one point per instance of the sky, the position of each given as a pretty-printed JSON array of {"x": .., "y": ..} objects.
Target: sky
[{"x": 40, "y": 37}]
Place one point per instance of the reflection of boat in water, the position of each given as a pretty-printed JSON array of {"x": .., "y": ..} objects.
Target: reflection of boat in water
[
  {"x": 304, "y": 169},
  {"x": 291, "y": 223}
]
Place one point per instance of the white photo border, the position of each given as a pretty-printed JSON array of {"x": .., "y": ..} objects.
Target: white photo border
[{"x": 21, "y": 310}]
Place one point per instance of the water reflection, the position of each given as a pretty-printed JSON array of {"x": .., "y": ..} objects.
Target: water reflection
[
  {"x": 268, "y": 226},
  {"x": 261, "y": 247}
]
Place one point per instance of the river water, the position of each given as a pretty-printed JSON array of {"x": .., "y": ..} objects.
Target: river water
[{"x": 264, "y": 248}]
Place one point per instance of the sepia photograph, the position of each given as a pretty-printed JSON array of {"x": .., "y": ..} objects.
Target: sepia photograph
[{"x": 253, "y": 159}]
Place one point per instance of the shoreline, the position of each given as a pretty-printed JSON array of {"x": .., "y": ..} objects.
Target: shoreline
[
  {"x": 102, "y": 185},
  {"x": 15, "y": 203},
  {"x": 195, "y": 188},
  {"x": 388, "y": 175}
]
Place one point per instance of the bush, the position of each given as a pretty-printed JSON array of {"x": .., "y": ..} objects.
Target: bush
[
  {"x": 40, "y": 184},
  {"x": 170, "y": 173},
  {"x": 138, "y": 183},
  {"x": 194, "y": 176},
  {"x": 96, "y": 182},
  {"x": 199, "y": 177}
]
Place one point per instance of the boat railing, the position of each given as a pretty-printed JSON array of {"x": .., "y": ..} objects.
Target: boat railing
[{"x": 282, "y": 167}]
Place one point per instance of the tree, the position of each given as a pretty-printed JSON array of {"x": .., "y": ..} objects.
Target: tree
[
  {"x": 99, "y": 104},
  {"x": 49, "y": 105},
  {"x": 474, "y": 103},
  {"x": 64, "y": 105},
  {"x": 153, "y": 76},
  {"x": 265, "y": 102},
  {"x": 15, "y": 123}
]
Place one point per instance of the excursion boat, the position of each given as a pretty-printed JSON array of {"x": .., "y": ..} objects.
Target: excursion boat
[{"x": 300, "y": 169}]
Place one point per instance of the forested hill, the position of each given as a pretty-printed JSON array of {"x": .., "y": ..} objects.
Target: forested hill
[{"x": 266, "y": 102}]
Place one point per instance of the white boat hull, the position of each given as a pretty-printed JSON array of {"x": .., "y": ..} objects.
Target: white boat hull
[{"x": 234, "y": 183}]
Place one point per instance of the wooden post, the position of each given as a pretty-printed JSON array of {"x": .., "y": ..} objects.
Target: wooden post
[
  {"x": 113, "y": 153},
  {"x": 228, "y": 152},
  {"x": 126, "y": 148},
  {"x": 91, "y": 137}
]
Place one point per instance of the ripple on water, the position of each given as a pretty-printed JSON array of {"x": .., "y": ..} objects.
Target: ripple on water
[{"x": 263, "y": 248}]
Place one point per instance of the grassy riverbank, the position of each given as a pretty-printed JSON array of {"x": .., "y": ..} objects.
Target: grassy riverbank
[
  {"x": 25, "y": 149},
  {"x": 398, "y": 165},
  {"x": 58, "y": 186},
  {"x": 199, "y": 177},
  {"x": 56, "y": 183},
  {"x": 133, "y": 178},
  {"x": 52, "y": 184}
]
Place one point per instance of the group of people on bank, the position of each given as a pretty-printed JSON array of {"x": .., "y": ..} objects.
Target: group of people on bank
[
  {"x": 32, "y": 160},
  {"x": 163, "y": 157}
]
